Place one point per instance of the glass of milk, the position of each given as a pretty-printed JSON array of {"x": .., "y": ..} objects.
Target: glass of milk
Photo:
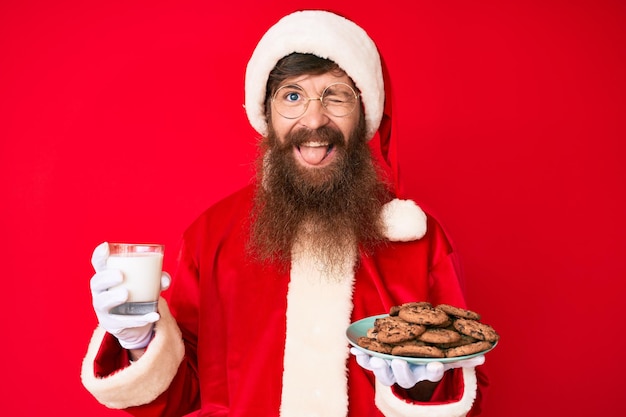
[{"x": 141, "y": 266}]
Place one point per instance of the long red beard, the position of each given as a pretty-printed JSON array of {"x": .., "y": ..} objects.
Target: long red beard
[{"x": 331, "y": 209}]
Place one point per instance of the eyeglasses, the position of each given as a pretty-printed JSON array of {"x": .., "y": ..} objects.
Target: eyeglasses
[{"x": 291, "y": 102}]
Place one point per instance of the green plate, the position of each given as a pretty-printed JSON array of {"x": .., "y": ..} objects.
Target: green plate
[{"x": 359, "y": 328}]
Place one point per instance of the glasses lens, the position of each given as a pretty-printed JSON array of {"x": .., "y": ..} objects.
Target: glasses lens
[
  {"x": 339, "y": 99},
  {"x": 290, "y": 101}
]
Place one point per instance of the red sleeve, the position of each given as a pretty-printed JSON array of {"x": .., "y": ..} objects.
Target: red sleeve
[
  {"x": 450, "y": 390},
  {"x": 111, "y": 357}
]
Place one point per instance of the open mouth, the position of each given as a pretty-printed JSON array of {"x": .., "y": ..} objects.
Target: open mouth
[{"x": 315, "y": 153}]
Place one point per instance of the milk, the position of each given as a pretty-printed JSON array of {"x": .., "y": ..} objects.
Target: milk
[{"x": 142, "y": 279}]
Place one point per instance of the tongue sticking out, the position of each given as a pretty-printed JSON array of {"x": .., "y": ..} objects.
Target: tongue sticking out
[{"x": 313, "y": 155}]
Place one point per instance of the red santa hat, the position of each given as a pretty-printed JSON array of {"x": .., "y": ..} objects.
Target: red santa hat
[{"x": 328, "y": 36}]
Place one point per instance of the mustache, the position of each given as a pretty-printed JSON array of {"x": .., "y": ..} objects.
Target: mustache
[{"x": 321, "y": 134}]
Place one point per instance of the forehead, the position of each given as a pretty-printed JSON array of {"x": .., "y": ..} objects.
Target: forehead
[{"x": 318, "y": 81}]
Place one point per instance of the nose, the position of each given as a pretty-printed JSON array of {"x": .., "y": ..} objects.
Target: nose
[{"x": 315, "y": 115}]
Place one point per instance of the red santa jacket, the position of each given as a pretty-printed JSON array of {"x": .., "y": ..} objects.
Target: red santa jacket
[{"x": 251, "y": 339}]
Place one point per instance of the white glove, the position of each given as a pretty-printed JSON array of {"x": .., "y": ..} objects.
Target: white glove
[
  {"x": 399, "y": 371},
  {"x": 133, "y": 332}
]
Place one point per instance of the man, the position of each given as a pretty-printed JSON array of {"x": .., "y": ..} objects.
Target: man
[{"x": 271, "y": 277}]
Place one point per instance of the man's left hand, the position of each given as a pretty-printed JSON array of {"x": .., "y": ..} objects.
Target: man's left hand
[{"x": 406, "y": 375}]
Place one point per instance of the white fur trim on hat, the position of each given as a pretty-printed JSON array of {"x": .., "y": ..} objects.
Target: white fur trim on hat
[
  {"x": 404, "y": 220},
  {"x": 328, "y": 36}
]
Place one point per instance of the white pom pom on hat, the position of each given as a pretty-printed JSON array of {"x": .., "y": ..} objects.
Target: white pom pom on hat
[{"x": 325, "y": 35}]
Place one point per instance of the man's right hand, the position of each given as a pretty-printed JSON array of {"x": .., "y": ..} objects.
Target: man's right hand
[{"x": 133, "y": 332}]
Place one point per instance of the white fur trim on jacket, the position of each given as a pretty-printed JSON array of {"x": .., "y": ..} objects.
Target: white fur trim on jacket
[
  {"x": 326, "y": 35},
  {"x": 319, "y": 305},
  {"x": 392, "y": 406},
  {"x": 404, "y": 220},
  {"x": 145, "y": 379}
]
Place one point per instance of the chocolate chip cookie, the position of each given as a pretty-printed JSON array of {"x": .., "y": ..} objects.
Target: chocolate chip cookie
[
  {"x": 418, "y": 350},
  {"x": 395, "y": 330},
  {"x": 425, "y": 315},
  {"x": 459, "y": 312},
  {"x": 476, "y": 329},
  {"x": 467, "y": 349}
]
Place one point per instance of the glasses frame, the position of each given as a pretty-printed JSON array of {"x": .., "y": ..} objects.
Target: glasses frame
[{"x": 309, "y": 99}]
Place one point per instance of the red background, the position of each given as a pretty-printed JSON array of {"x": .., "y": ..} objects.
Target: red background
[{"x": 124, "y": 120}]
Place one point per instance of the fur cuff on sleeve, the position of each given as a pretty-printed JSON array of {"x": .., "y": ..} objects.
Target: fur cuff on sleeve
[
  {"x": 392, "y": 406},
  {"x": 145, "y": 379}
]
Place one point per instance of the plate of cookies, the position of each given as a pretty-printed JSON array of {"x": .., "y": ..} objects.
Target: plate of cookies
[{"x": 419, "y": 332}]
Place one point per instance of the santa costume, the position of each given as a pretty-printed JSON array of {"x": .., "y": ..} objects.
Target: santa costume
[{"x": 240, "y": 338}]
